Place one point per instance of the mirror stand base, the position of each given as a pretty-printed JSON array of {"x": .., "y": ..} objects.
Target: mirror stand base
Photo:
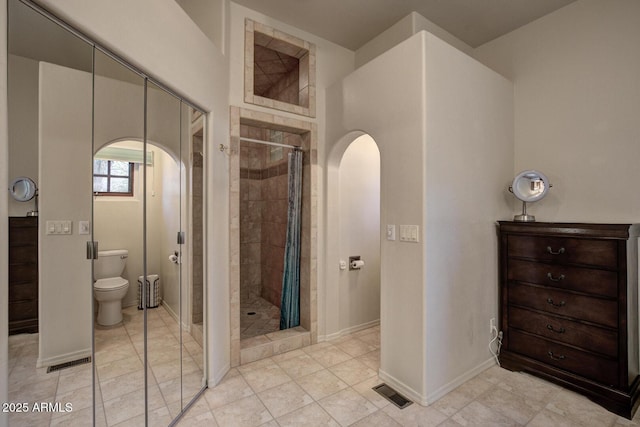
[{"x": 524, "y": 218}]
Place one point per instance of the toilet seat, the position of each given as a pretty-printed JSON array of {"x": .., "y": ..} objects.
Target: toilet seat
[{"x": 110, "y": 284}]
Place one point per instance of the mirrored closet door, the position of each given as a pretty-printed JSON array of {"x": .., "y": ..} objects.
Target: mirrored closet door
[{"x": 118, "y": 161}]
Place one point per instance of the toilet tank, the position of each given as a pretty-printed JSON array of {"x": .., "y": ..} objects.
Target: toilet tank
[{"x": 110, "y": 263}]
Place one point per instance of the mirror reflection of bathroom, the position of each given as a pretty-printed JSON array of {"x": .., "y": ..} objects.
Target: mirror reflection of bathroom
[{"x": 265, "y": 215}]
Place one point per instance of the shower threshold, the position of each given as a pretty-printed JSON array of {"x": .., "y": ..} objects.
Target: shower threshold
[{"x": 274, "y": 343}]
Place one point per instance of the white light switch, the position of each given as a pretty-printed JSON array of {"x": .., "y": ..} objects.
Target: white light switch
[
  {"x": 391, "y": 232},
  {"x": 59, "y": 227}
]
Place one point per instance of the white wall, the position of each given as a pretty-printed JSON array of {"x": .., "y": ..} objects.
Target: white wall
[
  {"x": 442, "y": 107},
  {"x": 577, "y": 99},
  {"x": 211, "y": 17},
  {"x": 181, "y": 56},
  {"x": 23, "y": 152},
  {"x": 402, "y": 30},
  {"x": 65, "y": 282},
  {"x": 469, "y": 161},
  {"x": 359, "y": 182}
]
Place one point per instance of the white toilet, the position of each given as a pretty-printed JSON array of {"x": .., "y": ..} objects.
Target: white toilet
[{"x": 109, "y": 288}]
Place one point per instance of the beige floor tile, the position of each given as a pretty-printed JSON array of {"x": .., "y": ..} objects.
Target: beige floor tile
[
  {"x": 365, "y": 388},
  {"x": 119, "y": 367},
  {"x": 371, "y": 359},
  {"x": 581, "y": 409},
  {"x": 246, "y": 412},
  {"x": 415, "y": 415},
  {"x": 476, "y": 414},
  {"x": 79, "y": 398},
  {"x": 156, "y": 417},
  {"x": 377, "y": 419},
  {"x": 517, "y": 407},
  {"x": 266, "y": 378},
  {"x": 329, "y": 356},
  {"x": 309, "y": 416},
  {"x": 199, "y": 420},
  {"x": 75, "y": 378},
  {"x": 118, "y": 386},
  {"x": 321, "y": 384},
  {"x": 355, "y": 347},
  {"x": 347, "y": 406},
  {"x": 300, "y": 366},
  {"x": 284, "y": 398},
  {"x": 527, "y": 385},
  {"x": 547, "y": 418},
  {"x": 229, "y": 390},
  {"x": 352, "y": 371},
  {"x": 40, "y": 419},
  {"x": 79, "y": 418}
]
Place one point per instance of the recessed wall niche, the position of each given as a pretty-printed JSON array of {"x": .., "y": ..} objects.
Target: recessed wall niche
[{"x": 279, "y": 70}]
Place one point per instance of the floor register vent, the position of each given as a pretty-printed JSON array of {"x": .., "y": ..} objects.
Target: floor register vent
[
  {"x": 392, "y": 396},
  {"x": 68, "y": 364}
]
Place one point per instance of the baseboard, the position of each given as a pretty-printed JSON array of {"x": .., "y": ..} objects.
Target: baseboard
[
  {"x": 63, "y": 358},
  {"x": 218, "y": 376},
  {"x": 457, "y": 382},
  {"x": 427, "y": 400},
  {"x": 349, "y": 330},
  {"x": 402, "y": 388}
]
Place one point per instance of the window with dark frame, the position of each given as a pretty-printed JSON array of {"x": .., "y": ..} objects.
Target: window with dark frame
[{"x": 112, "y": 178}]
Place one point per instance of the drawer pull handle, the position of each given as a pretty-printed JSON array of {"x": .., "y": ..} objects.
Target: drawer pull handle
[
  {"x": 554, "y": 357},
  {"x": 550, "y": 301},
  {"x": 558, "y": 331},
  {"x": 555, "y": 279},
  {"x": 560, "y": 251}
]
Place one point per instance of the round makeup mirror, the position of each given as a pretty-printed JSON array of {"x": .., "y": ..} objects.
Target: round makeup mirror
[
  {"x": 529, "y": 186},
  {"x": 24, "y": 189}
]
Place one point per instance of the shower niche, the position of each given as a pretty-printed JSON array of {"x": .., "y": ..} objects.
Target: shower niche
[
  {"x": 271, "y": 275},
  {"x": 280, "y": 70}
]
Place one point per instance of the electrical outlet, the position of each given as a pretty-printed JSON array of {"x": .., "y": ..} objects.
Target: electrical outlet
[{"x": 492, "y": 324}]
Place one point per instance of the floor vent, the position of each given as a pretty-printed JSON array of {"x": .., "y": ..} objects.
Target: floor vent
[
  {"x": 392, "y": 396},
  {"x": 68, "y": 364}
]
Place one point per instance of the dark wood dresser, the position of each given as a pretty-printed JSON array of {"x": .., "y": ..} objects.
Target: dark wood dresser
[
  {"x": 23, "y": 275},
  {"x": 569, "y": 307}
]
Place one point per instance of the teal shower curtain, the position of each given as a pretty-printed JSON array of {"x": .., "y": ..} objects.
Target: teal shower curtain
[{"x": 290, "y": 303}]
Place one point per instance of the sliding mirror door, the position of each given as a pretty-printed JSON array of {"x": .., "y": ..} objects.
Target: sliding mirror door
[
  {"x": 118, "y": 242},
  {"x": 119, "y": 188},
  {"x": 50, "y": 131},
  {"x": 175, "y": 357}
]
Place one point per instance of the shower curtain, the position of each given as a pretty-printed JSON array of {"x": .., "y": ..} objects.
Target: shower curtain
[{"x": 290, "y": 303}]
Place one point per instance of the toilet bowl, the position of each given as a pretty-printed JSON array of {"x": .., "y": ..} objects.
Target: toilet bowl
[{"x": 109, "y": 288}]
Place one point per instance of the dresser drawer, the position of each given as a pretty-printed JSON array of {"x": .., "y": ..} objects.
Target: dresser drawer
[
  {"x": 597, "y": 310},
  {"x": 580, "y": 335},
  {"x": 602, "y": 253},
  {"x": 600, "y": 282},
  {"x": 569, "y": 359}
]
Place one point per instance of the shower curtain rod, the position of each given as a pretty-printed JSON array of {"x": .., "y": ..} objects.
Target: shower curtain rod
[{"x": 277, "y": 144}]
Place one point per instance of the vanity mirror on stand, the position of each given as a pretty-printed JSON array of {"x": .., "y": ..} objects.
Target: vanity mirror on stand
[
  {"x": 529, "y": 186},
  {"x": 23, "y": 189}
]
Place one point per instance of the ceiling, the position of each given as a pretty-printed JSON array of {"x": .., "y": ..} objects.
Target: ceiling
[{"x": 352, "y": 23}]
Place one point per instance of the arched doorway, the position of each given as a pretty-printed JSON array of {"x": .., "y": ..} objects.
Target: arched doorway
[{"x": 352, "y": 296}]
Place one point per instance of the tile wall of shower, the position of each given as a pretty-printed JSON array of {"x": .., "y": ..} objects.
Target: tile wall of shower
[{"x": 263, "y": 227}]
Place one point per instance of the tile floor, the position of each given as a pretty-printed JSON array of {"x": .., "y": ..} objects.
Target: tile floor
[
  {"x": 326, "y": 384},
  {"x": 120, "y": 374},
  {"x": 329, "y": 384},
  {"x": 266, "y": 317}
]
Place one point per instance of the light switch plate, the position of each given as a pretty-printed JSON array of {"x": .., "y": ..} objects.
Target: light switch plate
[
  {"x": 59, "y": 227},
  {"x": 391, "y": 232},
  {"x": 410, "y": 233}
]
